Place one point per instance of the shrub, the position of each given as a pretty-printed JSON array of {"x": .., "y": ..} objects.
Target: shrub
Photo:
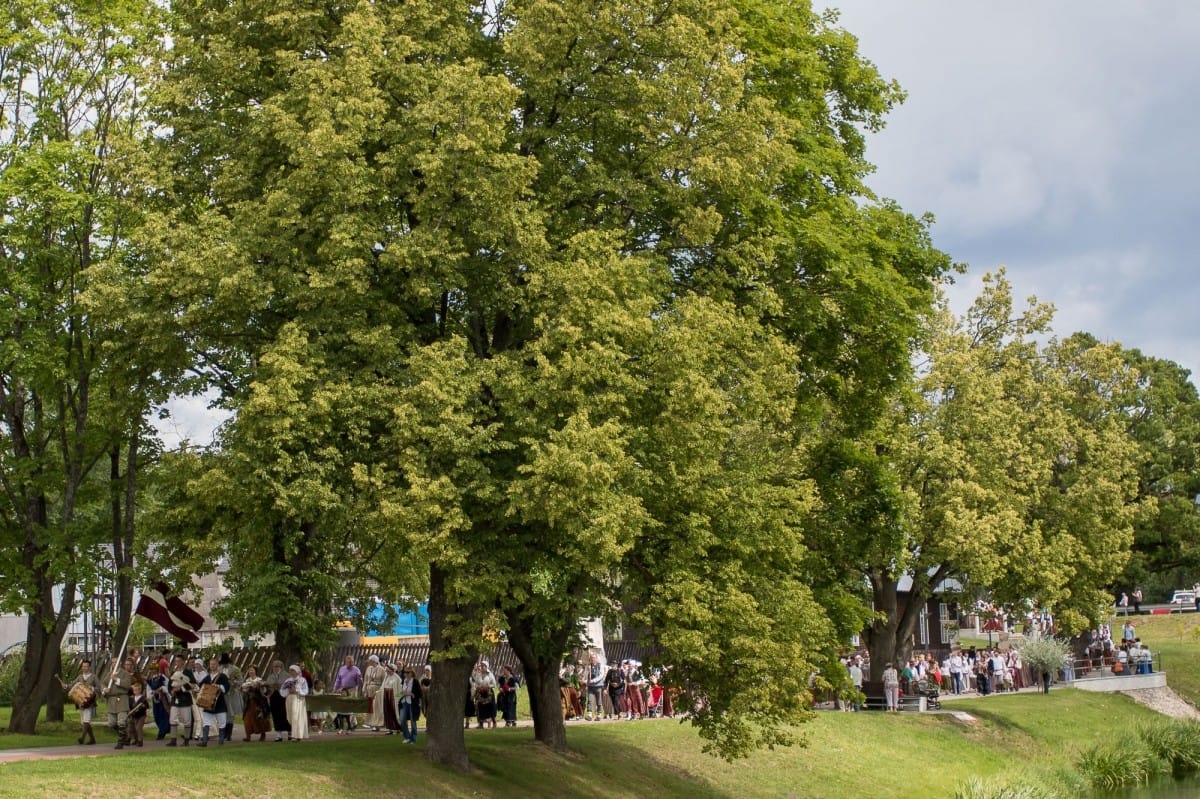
[
  {"x": 10, "y": 670},
  {"x": 1025, "y": 788},
  {"x": 1127, "y": 760},
  {"x": 1045, "y": 653},
  {"x": 1176, "y": 743}
]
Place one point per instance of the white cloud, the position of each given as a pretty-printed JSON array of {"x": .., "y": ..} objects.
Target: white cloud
[
  {"x": 189, "y": 419},
  {"x": 1057, "y": 138}
]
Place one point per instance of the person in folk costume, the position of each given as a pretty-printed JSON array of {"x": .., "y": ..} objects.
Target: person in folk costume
[
  {"x": 159, "y": 697},
  {"x": 274, "y": 681},
  {"x": 181, "y": 685},
  {"x": 388, "y": 699},
  {"x": 200, "y": 673},
  {"x": 139, "y": 706},
  {"x": 565, "y": 673},
  {"x": 164, "y": 662},
  {"x": 295, "y": 691},
  {"x": 116, "y": 693},
  {"x": 316, "y": 718},
  {"x": 233, "y": 697},
  {"x": 614, "y": 682},
  {"x": 87, "y": 711},
  {"x": 635, "y": 681},
  {"x": 410, "y": 705},
  {"x": 256, "y": 699},
  {"x": 372, "y": 681},
  {"x": 507, "y": 699},
  {"x": 376, "y": 701},
  {"x": 483, "y": 691},
  {"x": 469, "y": 707},
  {"x": 577, "y": 689},
  {"x": 217, "y": 716},
  {"x": 426, "y": 682}
]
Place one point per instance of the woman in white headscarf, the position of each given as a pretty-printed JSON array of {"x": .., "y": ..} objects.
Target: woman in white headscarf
[
  {"x": 375, "y": 717},
  {"x": 372, "y": 682},
  {"x": 296, "y": 688},
  {"x": 389, "y": 698},
  {"x": 483, "y": 691}
]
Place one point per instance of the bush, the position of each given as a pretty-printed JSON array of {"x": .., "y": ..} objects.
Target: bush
[
  {"x": 1044, "y": 653},
  {"x": 1128, "y": 760},
  {"x": 10, "y": 670},
  {"x": 1025, "y": 788},
  {"x": 1176, "y": 743}
]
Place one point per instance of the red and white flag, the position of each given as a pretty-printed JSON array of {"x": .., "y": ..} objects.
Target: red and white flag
[{"x": 170, "y": 612}]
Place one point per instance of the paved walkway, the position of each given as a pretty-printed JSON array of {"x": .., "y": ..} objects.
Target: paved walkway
[{"x": 109, "y": 747}]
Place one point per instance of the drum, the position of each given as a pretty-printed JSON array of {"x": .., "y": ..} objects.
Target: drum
[
  {"x": 82, "y": 694},
  {"x": 207, "y": 698}
]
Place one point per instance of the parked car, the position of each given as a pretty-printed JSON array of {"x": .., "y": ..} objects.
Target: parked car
[{"x": 1184, "y": 599}]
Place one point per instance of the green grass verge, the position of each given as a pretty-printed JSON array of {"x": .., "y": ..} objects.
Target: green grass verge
[{"x": 865, "y": 755}]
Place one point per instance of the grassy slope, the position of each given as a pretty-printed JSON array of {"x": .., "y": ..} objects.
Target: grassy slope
[
  {"x": 866, "y": 755},
  {"x": 871, "y": 755}
]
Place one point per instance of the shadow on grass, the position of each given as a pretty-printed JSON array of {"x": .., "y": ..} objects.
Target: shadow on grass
[{"x": 608, "y": 761}]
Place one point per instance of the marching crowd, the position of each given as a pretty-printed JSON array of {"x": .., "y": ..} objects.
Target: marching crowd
[
  {"x": 188, "y": 700},
  {"x": 619, "y": 690}
]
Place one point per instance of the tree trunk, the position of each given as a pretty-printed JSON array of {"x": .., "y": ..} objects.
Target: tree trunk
[
  {"x": 882, "y": 634},
  {"x": 445, "y": 742},
  {"x": 890, "y": 640},
  {"x": 43, "y": 644},
  {"x": 545, "y": 704},
  {"x": 541, "y": 678},
  {"x": 124, "y": 490},
  {"x": 56, "y": 700}
]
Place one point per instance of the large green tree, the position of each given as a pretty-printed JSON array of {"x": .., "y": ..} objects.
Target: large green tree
[
  {"x": 547, "y": 298},
  {"x": 1163, "y": 415},
  {"x": 1006, "y": 467},
  {"x": 74, "y": 384}
]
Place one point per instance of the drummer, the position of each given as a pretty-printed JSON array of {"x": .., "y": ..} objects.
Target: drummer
[
  {"x": 84, "y": 687},
  {"x": 216, "y": 714}
]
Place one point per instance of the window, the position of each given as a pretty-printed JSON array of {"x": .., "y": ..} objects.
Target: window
[
  {"x": 947, "y": 622},
  {"x": 158, "y": 641}
]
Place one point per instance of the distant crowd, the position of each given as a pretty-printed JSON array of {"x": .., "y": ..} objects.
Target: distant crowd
[{"x": 617, "y": 690}]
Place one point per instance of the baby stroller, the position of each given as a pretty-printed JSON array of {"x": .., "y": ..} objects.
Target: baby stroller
[
  {"x": 930, "y": 690},
  {"x": 654, "y": 706}
]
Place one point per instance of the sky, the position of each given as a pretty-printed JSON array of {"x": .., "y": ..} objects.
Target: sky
[{"x": 1058, "y": 139}]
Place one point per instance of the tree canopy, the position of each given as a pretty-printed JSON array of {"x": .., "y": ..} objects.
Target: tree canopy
[
  {"x": 546, "y": 298},
  {"x": 1006, "y": 469},
  {"x": 77, "y": 375}
]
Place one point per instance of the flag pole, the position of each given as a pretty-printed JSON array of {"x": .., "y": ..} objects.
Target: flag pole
[{"x": 112, "y": 671}]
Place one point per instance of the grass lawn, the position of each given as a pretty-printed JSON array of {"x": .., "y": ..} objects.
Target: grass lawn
[
  {"x": 1177, "y": 638},
  {"x": 865, "y": 755}
]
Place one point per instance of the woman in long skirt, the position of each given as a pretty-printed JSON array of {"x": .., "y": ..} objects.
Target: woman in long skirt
[
  {"x": 389, "y": 694},
  {"x": 508, "y": 696},
  {"x": 160, "y": 700},
  {"x": 483, "y": 691},
  {"x": 274, "y": 680},
  {"x": 257, "y": 715},
  {"x": 297, "y": 703}
]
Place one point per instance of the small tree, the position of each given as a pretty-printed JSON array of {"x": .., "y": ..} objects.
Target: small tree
[{"x": 1045, "y": 655}]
